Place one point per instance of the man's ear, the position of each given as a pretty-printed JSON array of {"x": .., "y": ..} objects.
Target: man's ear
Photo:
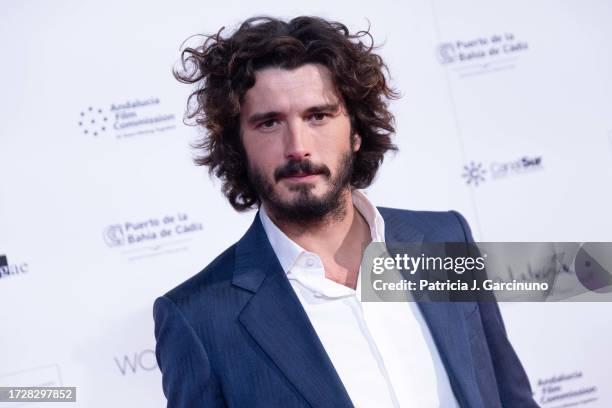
[{"x": 356, "y": 142}]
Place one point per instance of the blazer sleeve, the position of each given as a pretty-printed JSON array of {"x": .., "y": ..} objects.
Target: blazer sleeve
[
  {"x": 187, "y": 376},
  {"x": 512, "y": 382}
]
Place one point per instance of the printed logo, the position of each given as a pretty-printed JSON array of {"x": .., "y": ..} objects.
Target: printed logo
[
  {"x": 113, "y": 235},
  {"x": 42, "y": 376},
  {"x": 137, "y": 362},
  {"x": 12, "y": 269},
  {"x": 447, "y": 53},
  {"x": 481, "y": 55},
  {"x": 567, "y": 389},
  {"x": 93, "y": 121},
  {"x": 153, "y": 236},
  {"x": 476, "y": 173},
  {"x": 126, "y": 119}
]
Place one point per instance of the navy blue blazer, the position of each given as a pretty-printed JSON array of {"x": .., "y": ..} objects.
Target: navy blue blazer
[{"x": 236, "y": 334}]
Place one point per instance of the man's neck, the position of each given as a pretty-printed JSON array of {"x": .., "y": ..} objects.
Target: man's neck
[{"x": 338, "y": 241}]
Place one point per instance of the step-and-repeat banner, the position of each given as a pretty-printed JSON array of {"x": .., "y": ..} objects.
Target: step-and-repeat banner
[{"x": 505, "y": 116}]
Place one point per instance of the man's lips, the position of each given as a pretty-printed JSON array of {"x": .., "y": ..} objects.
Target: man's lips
[{"x": 302, "y": 176}]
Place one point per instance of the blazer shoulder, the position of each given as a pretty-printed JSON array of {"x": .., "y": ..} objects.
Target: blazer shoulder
[
  {"x": 217, "y": 274},
  {"x": 435, "y": 225}
]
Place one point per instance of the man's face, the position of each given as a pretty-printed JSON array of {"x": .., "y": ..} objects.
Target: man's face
[{"x": 297, "y": 137}]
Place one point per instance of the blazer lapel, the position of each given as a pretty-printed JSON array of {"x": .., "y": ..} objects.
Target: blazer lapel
[
  {"x": 277, "y": 322},
  {"x": 446, "y": 320}
]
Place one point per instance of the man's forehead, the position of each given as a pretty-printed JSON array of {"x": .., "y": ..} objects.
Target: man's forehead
[{"x": 299, "y": 88}]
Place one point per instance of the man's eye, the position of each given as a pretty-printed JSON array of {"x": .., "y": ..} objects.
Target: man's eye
[
  {"x": 268, "y": 124},
  {"x": 319, "y": 116}
]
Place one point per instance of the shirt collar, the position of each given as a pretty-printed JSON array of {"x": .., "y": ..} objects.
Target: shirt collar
[
  {"x": 287, "y": 251},
  {"x": 372, "y": 216}
]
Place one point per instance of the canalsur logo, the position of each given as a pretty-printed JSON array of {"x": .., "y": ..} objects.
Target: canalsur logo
[
  {"x": 480, "y": 55},
  {"x": 137, "y": 239},
  {"x": 476, "y": 173},
  {"x": 8, "y": 269},
  {"x": 126, "y": 119}
]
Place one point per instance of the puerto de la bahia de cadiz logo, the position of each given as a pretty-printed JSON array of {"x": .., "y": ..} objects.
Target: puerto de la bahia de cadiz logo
[
  {"x": 125, "y": 119},
  {"x": 12, "y": 269},
  {"x": 152, "y": 236},
  {"x": 475, "y": 173},
  {"x": 481, "y": 55}
]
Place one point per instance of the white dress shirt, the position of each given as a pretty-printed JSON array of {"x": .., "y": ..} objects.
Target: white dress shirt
[{"x": 382, "y": 351}]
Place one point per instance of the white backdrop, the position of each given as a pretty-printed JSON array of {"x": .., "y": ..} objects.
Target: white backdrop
[{"x": 506, "y": 116}]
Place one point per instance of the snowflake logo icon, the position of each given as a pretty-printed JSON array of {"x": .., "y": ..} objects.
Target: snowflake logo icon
[{"x": 474, "y": 173}]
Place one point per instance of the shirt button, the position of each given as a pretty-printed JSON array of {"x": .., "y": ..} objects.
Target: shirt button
[{"x": 310, "y": 262}]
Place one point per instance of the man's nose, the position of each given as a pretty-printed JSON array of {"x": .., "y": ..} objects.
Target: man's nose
[{"x": 297, "y": 141}]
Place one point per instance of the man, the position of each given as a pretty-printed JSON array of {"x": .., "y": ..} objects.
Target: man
[{"x": 297, "y": 121}]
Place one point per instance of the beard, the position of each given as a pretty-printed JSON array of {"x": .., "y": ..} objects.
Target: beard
[{"x": 305, "y": 208}]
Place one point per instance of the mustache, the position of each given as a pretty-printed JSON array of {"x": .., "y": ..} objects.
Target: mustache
[{"x": 294, "y": 167}]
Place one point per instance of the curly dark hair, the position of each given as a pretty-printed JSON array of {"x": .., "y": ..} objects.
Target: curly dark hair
[{"x": 223, "y": 69}]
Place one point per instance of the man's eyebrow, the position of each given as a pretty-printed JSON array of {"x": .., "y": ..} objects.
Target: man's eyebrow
[
  {"x": 328, "y": 107},
  {"x": 258, "y": 117}
]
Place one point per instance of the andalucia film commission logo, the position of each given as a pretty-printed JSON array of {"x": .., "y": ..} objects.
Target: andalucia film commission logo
[
  {"x": 476, "y": 173},
  {"x": 126, "y": 119}
]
